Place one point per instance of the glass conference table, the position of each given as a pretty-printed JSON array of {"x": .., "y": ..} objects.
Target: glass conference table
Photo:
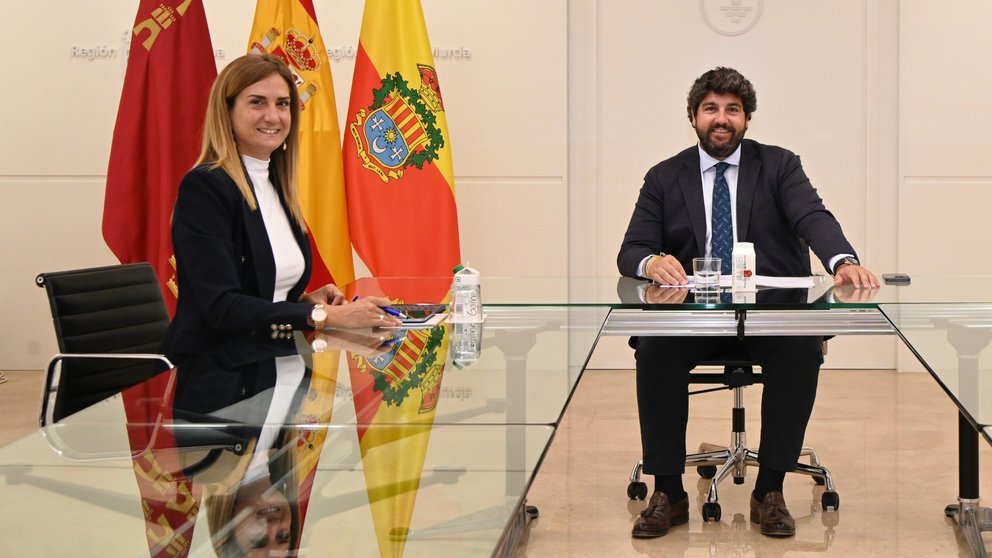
[{"x": 423, "y": 441}]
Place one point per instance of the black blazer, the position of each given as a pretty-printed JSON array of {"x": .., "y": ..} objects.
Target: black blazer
[
  {"x": 225, "y": 267},
  {"x": 776, "y": 208},
  {"x": 230, "y": 373}
]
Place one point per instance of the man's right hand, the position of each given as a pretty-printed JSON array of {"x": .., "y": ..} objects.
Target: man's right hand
[
  {"x": 665, "y": 295},
  {"x": 666, "y": 270}
]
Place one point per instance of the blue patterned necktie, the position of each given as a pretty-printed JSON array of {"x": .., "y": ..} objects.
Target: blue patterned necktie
[{"x": 722, "y": 225}]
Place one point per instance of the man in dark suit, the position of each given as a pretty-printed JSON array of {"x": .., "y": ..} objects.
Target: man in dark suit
[{"x": 698, "y": 203}]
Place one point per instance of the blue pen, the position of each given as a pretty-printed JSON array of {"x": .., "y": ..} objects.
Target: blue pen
[{"x": 392, "y": 312}]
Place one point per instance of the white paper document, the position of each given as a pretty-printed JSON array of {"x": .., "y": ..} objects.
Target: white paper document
[{"x": 727, "y": 281}]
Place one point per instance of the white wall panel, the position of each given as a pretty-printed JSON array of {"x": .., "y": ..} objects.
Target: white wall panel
[
  {"x": 944, "y": 186},
  {"x": 48, "y": 224},
  {"x": 514, "y": 226},
  {"x": 944, "y": 84}
]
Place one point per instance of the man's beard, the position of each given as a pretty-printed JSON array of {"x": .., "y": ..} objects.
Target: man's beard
[{"x": 720, "y": 151}]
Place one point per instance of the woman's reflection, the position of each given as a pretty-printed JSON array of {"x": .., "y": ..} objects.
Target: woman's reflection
[
  {"x": 236, "y": 410},
  {"x": 259, "y": 515}
]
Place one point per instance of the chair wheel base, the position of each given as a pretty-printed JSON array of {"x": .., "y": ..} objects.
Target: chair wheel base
[
  {"x": 531, "y": 512},
  {"x": 707, "y": 471},
  {"x": 830, "y": 501},
  {"x": 637, "y": 490},
  {"x": 711, "y": 512}
]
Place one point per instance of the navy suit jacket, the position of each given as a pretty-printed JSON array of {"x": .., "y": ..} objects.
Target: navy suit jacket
[
  {"x": 225, "y": 267},
  {"x": 777, "y": 209}
]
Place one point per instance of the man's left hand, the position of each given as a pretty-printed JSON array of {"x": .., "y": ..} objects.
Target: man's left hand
[
  {"x": 855, "y": 275},
  {"x": 851, "y": 295}
]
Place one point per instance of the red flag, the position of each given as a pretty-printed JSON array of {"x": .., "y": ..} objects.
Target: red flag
[
  {"x": 170, "y": 502},
  {"x": 157, "y": 136},
  {"x": 397, "y": 154},
  {"x": 170, "y": 69}
]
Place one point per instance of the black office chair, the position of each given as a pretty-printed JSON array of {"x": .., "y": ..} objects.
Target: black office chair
[
  {"x": 717, "y": 462},
  {"x": 109, "y": 322}
]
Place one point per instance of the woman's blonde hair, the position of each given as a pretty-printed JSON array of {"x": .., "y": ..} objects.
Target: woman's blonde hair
[
  {"x": 220, "y": 150},
  {"x": 220, "y": 498}
]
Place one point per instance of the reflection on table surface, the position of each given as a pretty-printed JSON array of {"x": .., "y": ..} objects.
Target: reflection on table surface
[
  {"x": 367, "y": 442},
  {"x": 625, "y": 292},
  {"x": 954, "y": 341},
  {"x": 401, "y": 443}
]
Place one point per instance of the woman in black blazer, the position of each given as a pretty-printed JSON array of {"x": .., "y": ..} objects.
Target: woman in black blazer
[{"x": 242, "y": 255}]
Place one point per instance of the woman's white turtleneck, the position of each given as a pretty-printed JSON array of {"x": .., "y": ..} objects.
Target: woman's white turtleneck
[{"x": 285, "y": 250}]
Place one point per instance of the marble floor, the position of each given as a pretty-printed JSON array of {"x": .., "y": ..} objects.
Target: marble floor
[{"x": 889, "y": 439}]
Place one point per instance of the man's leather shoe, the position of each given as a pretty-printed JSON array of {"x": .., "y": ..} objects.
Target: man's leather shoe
[
  {"x": 773, "y": 516},
  {"x": 659, "y": 516}
]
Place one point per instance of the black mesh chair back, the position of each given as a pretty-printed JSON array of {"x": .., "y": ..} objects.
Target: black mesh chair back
[{"x": 114, "y": 309}]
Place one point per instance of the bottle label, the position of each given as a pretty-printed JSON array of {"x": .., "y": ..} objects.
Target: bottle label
[{"x": 743, "y": 268}]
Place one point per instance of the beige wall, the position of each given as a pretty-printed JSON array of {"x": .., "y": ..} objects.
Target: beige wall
[
  {"x": 555, "y": 116},
  {"x": 506, "y": 113}
]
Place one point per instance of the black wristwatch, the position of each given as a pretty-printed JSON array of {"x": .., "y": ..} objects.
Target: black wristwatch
[{"x": 846, "y": 260}]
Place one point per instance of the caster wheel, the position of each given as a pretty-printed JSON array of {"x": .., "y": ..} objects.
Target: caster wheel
[
  {"x": 820, "y": 481},
  {"x": 707, "y": 471},
  {"x": 531, "y": 512},
  {"x": 637, "y": 491},
  {"x": 830, "y": 501},
  {"x": 738, "y": 480},
  {"x": 711, "y": 511}
]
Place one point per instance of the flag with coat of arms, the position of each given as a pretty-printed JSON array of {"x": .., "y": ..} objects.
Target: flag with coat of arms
[{"x": 397, "y": 152}]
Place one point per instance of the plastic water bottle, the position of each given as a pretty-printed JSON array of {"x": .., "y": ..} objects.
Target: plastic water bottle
[
  {"x": 466, "y": 343},
  {"x": 466, "y": 297}
]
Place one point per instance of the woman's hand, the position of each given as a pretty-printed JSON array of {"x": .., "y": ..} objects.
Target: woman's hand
[
  {"x": 329, "y": 295},
  {"x": 357, "y": 342},
  {"x": 364, "y": 312}
]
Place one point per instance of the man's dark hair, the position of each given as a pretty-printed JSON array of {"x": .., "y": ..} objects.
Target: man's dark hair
[{"x": 722, "y": 80}]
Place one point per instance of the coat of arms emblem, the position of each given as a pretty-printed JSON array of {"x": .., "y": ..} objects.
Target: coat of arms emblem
[{"x": 398, "y": 130}]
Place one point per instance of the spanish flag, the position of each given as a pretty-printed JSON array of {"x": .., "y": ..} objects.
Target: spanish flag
[
  {"x": 288, "y": 29},
  {"x": 309, "y": 430},
  {"x": 170, "y": 69},
  {"x": 396, "y": 397},
  {"x": 400, "y": 183}
]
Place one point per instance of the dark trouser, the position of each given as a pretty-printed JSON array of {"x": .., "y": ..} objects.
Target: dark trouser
[{"x": 790, "y": 366}]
